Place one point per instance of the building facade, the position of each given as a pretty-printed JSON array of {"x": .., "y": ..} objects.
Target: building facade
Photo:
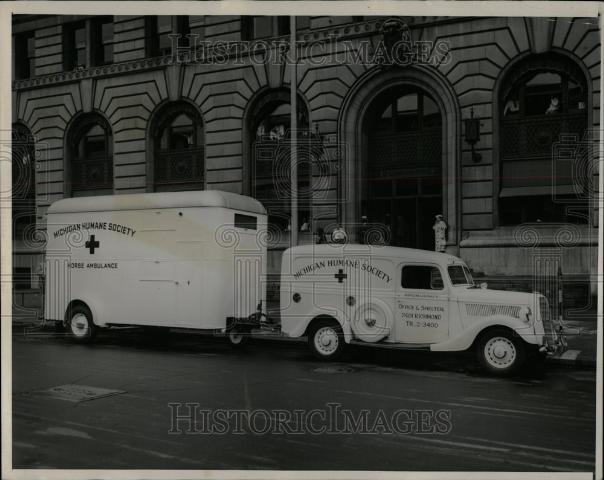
[{"x": 490, "y": 122}]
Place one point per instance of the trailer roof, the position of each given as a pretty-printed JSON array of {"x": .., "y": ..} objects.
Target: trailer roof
[{"x": 152, "y": 201}]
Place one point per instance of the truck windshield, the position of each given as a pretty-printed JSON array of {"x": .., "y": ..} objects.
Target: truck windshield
[{"x": 460, "y": 275}]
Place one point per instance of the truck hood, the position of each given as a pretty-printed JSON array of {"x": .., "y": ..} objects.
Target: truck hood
[{"x": 485, "y": 295}]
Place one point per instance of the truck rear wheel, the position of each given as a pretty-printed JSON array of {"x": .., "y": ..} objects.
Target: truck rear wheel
[
  {"x": 238, "y": 337},
  {"x": 500, "y": 352},
  {"x": 326, "y": 340},
  {"x": 80, "y": 324}
]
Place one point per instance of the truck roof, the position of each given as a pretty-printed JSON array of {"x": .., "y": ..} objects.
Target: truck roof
[
  {"x": 352, "y": 249},
  {"x": 152, "y": 201}
]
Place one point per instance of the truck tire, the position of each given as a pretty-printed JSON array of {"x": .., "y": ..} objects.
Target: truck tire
[
  {"x": 238, "y": 337},
  {"x": 500, "y": 352},
  {"x": 80, "y": 324},
  {"x": 326, "y": 340}
]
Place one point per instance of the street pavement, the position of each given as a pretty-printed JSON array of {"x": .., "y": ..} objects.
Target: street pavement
[
  {"x": 542, "y": 419},
  {"x": 580, "y": 334}
]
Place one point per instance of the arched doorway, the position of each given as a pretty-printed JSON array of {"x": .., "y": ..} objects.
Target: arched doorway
[
  {"x": 367, "y": 102},
  {"x": 403, "y": 167}
]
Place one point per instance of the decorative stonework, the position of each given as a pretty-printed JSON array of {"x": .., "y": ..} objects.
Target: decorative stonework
[
  {"x": 340, "y": 32},
  {"x": 93, "y": 72},
  {"x": 343, "y": 31}
]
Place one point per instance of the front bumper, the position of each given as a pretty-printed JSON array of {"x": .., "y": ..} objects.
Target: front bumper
[{"x": 554, "y": 341}]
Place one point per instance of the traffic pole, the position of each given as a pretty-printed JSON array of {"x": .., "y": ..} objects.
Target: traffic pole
[
  {"x": 560, "y": 294},
  {"x": 293, "y": 134}
]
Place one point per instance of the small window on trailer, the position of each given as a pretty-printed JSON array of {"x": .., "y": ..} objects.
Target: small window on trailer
[{"x": 248, "y": 222}]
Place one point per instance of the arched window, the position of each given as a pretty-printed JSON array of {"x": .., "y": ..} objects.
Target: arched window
[
  {"x": 403, "y": 165},
  {"x": 24, "y": 171},
  {"x": 271, "y": 154},
  {"x": 178, "y": 148},
  {"x": 90, "y": 154},
  {"x": 543, "y": 100}
]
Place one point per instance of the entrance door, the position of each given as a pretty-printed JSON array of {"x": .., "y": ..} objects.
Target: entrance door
[{"x": 403, "y": 165}]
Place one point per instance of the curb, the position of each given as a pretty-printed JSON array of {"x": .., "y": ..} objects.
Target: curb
[{"x": 573, "y": 358}]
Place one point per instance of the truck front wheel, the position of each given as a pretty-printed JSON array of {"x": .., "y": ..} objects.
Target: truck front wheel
[
  {"x": 326, "y": 340},
  {"x": 500, "y": 352},
  {"x": 80, "y": 324}
]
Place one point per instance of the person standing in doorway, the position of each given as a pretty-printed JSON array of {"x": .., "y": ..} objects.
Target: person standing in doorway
[{"x": 440, "y": 233}]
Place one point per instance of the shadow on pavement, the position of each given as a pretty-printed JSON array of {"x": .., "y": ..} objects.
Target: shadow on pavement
[{"x": 195, "y": 343}]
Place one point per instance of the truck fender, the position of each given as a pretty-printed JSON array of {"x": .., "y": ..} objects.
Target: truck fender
[
  {"x": 347, "y": 331},
  {"x": 466, "y": 338},
  {"x": 335, "y": 314}
]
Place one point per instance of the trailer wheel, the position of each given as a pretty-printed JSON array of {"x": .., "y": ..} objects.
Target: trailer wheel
[
  {"x": 500, "y": 352},
  {"x": 80, "y": 324},
  {"x": 325, "y": 340},
  {"x": 238, "y": 337}
]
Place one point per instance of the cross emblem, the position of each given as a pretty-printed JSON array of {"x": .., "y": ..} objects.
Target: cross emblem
[
  {"x": 340, "y": 276},
  {"x": 91, "y": 244}
]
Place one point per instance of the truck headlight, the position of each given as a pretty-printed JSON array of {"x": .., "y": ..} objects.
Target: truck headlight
[{"x": 526, "y": 315}]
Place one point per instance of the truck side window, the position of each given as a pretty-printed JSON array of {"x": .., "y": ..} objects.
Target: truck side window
[
  {"x": 245, "y": 221},
  {"x": 423, "y": 277}
]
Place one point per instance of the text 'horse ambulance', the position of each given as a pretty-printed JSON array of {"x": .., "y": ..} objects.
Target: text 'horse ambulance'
[
  {"x": 406, "y": 298},
  {"x": 176, "y": 259}
]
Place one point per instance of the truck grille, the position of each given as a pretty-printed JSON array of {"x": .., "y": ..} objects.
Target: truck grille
[{"x": 487, "y": 310}]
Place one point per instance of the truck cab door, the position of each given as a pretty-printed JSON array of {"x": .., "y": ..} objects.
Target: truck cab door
[{"x": 422, "y": 304}]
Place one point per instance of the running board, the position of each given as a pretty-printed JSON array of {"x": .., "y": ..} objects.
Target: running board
[{"x": 397, "y": 346}]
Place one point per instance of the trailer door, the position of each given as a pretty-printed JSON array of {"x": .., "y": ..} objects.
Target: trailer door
[{"x": 156, "y": 294}]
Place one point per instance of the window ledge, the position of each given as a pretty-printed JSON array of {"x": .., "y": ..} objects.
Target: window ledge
[
  {"x": 282, "y": 240},
  {"x": 534, "y": 235}
]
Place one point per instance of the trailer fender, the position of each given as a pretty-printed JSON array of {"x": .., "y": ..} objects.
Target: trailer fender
[{"x": 91, "y": 305}]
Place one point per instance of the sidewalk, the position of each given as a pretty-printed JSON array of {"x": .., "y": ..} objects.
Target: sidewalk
[
  {"x": 580, "y": 335},
  {"x": 582, "y": 347}
]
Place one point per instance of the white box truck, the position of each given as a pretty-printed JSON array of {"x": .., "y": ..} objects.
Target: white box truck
[
  {"x": 336, "y": 294},
  {"x": 193, "y": 260}
]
